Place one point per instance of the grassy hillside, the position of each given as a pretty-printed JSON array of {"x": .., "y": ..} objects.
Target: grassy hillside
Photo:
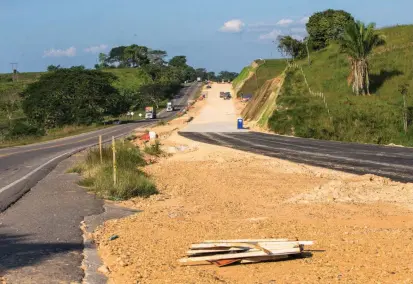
[
  {"x": 369, "y": 119},
  {"x": 266, "y": 70},
  {"x": 129, "y": 78}
]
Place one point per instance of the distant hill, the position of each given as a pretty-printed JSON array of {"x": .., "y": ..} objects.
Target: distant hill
[{"x": 341, "y": 116}]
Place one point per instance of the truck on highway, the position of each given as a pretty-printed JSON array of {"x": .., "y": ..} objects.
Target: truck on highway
[
  {"x": 170, "y": 106},
  {"x": 150, "y": 112}
]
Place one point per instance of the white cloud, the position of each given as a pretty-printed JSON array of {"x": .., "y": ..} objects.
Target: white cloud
[
  {"x": 233, "y": 26},
  {"x": 299, "y": 30},
  {"x": 284, "y": 22},
  {"x": 273, "y": 35},
  {"x": 304, "y": 20},
  {"x": 298, "y": 37},
  {"x": 70, "y": 52},
  {"x": 96, "y": 48}
]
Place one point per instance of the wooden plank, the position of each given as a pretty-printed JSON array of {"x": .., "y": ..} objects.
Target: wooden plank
[
  {"x": 219, "y": 250},
  {"x": 248, "y": 241},
  {"x": 263, "y": 258},
  {"x": 266, "y": 245},
  {"x": 308, "y": 243},
  {"x": 241, "y": 255}
]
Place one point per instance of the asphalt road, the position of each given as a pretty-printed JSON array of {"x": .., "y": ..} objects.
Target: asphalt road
[
  {"x": 392, "y": 162},
  {"x": 40, "y": 236},
  {"x": 19, "y": 166}
]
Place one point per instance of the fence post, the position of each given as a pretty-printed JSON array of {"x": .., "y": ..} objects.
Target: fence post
[
  {"x": 114, "y": 160},
  {"x": 100, "y": 149}
]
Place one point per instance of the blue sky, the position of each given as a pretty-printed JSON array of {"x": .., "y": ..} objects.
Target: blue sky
[{"x": 215, "y": 34}]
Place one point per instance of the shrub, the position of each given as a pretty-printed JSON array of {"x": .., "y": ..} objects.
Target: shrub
[{"x": 98, "y": 176}]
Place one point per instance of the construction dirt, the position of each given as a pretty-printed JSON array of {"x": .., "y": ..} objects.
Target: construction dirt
[{"x": 362, "y": 225}]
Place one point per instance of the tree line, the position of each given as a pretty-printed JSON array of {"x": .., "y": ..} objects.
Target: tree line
[
  {"x": 356, "y": 39},
  {"x": 81, "y": 96}
]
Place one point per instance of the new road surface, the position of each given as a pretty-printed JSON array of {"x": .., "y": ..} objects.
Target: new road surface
[
  {"x": 392, "y": 162},
  {"x": 216, "y": 124},
  {"x": 40, "y": 236}
]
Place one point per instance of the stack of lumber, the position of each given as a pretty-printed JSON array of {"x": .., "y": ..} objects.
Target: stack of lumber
[{"x": 225, "y": 252}]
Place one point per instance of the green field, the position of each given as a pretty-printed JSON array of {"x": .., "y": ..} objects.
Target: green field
[{"x": 368, "y": 119}]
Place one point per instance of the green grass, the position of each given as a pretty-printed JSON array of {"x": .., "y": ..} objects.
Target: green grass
[
  {"x": 51, "y": 134},
  {"x": 365, "y": 119},
  {"x": 98, "y": 177},
  {"x": 242, "y": 76},
  {"x": 129, "y": 78},
  {"x": 153, "y": 149},
  {"x": 268, "y": 69}
]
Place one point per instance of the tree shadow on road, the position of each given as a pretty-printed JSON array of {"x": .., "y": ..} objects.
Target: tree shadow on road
[{"x": 16, "y": 252}]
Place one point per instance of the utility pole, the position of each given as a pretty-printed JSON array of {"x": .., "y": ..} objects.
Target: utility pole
[{"x": 14, "y": 71}]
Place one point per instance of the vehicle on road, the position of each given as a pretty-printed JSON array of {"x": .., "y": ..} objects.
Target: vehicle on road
[
  {"x": 170, "y": 106},
  {"x": 208, "y": 87},
  {"x": 221, "y": 94},
  {"x": 227, "y": 96},
  {"x": 150, "y": 113}
]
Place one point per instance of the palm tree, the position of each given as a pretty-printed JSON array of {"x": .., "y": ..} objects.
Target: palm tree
[{"x": 358, "y": 42}]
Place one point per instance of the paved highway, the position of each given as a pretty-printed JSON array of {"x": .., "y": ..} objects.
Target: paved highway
[
  {"x": 21, "y": 167},
  {"x": 40, "y": 236},
  {"x": 392, "y": 162}
]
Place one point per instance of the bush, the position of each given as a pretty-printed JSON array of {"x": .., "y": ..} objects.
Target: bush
[
  {"x": 153, "y": 149},
  {"x": 131, "y": 182},
  {"x": 21, "y": 128}
]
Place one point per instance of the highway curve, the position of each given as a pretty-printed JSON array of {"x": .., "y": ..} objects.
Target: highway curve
[
  {"x": 392, "y": 162},
  {"x": 22, "y": 167}
]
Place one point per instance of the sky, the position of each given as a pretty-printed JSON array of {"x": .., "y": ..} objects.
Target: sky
[{"x": 214, "y": 34}]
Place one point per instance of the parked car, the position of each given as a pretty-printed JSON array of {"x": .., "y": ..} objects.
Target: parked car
[
  {"x": 227, "y": 96},
  {"x": 221, "y": 94}
]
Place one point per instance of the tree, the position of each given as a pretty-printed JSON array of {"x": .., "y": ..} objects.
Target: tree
[
  {"x": 116, "y": 55},
  {"x": 327, "y": 25},
  {"x": 211, "y": 76},
  {"x": 227, "y": 76},
  {"x": 189, "y": 73},
  {"x": 9, "y": 104},
  {"x": 71, "y": 96},
  {"x": 136, "y": 55},
  {"x": 154, "y": 93},
  {"x": 289, "y": 46},
  {"x": 52, "y": 68},
  {"x": 178, "y": 61},
  {"x": 358, "y": 42},
  {"x": 157, "y": 57}
]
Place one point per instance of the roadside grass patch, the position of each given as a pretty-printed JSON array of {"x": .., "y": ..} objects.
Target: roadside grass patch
[
  {"x": 153, "y": 149},
  {"x": 98, "y": 176},
  {"x": 77, "y": 169}
]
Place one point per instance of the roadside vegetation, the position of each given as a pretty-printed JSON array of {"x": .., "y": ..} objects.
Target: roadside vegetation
[
  {"x": 265, "y": 70},
  {"x": 43, "y": 106},
  {"x": 97, "y": 175},
  {"x": 355, "y": 84}
]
